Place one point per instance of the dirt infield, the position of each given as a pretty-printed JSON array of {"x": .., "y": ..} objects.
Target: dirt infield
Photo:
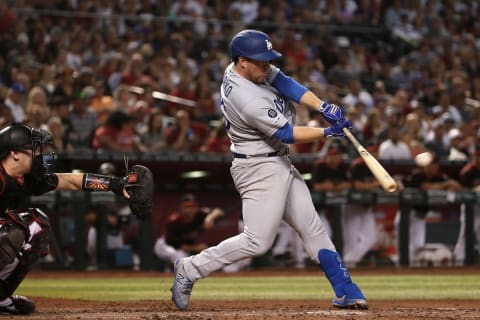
[
  {"x": 254, "y": 309},
  {"x": 203, "y": 310}
]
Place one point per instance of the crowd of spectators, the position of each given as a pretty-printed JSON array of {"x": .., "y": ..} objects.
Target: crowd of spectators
[{"x": 86, "y": 70}]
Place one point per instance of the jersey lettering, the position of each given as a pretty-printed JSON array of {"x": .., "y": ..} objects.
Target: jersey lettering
[
  {"x": 227, "y": 87},
  {"x": 226, "y": 123},
  {"x": 279, "y": 104}
]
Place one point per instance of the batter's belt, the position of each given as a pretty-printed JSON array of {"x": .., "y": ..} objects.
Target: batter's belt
[{"x": 279, "y": 153}]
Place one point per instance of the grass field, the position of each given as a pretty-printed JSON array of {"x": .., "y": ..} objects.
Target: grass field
[{"x": 384, "y": 287}]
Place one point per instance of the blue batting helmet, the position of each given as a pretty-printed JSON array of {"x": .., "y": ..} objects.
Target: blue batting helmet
[{"x": 253, "y": 44}]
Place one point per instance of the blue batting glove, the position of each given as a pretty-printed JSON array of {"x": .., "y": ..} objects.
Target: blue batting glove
[
  {"x": 331, "y": 112},
  {"x": 336, "y": 130}
]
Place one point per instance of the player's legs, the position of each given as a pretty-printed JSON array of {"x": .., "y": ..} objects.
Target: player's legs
[
  {"x": 263, "y": 189},
  {"x": 166, "y": 252},
  {"x": 12, "y": 275},
  {"x": 283, "y": 240},
  {"x": 263, "y": 186},
  {"x": 417, "y": 236},
  {"x": 459, "y": 251},
  {"x": 301, "y": 215},
  {"x": 359, "y": 233}
]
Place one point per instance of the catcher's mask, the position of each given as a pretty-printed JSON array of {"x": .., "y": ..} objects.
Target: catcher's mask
[{"x": 20, "y": 137}]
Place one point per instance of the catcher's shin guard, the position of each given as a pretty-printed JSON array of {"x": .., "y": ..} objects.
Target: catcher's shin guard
[
  {"x": 348, "y": 294},
  {"x": 12, "y": 237},
  {"x": 33, "y": 245}
]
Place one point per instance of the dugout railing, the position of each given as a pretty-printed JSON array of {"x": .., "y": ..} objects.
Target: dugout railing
[
  {"x": 169, "y": 170},
  {"x": 62, "y": 205},
  {"x": 405, "y": 200}
]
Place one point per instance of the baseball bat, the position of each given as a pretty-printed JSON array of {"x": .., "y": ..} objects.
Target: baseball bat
[
  {"x": 375, "y": 167},
  {"x": 165, "y": 96}
]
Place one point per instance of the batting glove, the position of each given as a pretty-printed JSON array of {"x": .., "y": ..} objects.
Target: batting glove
[
  {"x": 336, "y": 130},
  {"x": 331, "y": 112}
]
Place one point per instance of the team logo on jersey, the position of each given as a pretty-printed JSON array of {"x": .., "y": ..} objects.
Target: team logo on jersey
[
  {"x": 272, "y": 113},
  {"x": 269, "y": 44}
]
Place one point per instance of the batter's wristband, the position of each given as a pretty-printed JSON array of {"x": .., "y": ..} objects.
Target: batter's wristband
[{"x": 98, "y": 182}]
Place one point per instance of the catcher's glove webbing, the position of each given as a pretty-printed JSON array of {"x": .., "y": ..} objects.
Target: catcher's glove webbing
[{"x": 139, "y": 185}]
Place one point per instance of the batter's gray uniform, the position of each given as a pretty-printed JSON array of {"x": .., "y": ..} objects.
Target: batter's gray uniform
[{"x": 271, "y": 188}]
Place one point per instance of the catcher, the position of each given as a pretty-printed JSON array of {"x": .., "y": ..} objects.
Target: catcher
[{"x": 24, "y": 232}]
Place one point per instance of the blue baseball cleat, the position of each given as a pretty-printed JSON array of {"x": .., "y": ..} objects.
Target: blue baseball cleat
[
  {"x": 182, "y": 286},
  {"x": 353, "y": 298}
]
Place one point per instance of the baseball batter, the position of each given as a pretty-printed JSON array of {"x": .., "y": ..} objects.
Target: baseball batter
[{"x": 260, "y": 121}]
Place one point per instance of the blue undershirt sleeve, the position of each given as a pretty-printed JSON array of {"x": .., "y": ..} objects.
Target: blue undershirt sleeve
[
  {"x": 285, "y": 134},
  {"x": 288, "y": 87}
]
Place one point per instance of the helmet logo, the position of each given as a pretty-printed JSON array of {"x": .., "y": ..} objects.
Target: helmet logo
[{"x": 269, "y": 45}]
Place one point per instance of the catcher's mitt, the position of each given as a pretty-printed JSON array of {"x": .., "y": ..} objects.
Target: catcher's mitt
[{"x": 139, "y": 185}]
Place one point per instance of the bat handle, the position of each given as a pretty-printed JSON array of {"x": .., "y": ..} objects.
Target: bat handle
[{"x": 351, "y": 137}]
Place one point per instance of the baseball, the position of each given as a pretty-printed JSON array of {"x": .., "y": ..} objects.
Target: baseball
[{"x": 423, "y": 159}]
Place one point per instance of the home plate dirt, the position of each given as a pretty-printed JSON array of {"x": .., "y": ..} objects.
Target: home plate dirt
[
  {"x": 258, "y": 309},
  {"x": 64, "y": 309}
]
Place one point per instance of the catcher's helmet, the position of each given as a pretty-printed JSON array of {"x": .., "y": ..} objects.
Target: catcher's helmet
[
  {"x": 18, "y": 136},
  {"x": 253, "y": 44}
]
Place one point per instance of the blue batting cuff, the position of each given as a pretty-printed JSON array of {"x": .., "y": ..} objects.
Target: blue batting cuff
[
  {"x": 285, "y": 134},
  {"x": 289, "y": 87}
]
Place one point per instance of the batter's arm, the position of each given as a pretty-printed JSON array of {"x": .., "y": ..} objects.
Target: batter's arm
[
  {"x": 311, "y": 100},
  {"x": 303, "y": 134}
]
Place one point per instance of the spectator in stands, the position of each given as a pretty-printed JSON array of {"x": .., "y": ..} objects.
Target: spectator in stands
[
  {"x": 183, "y": 230},
  {"x": 184, "y": 89},
  {"x": 340, "y": 73},
  {"x": 134, "y": 70},
  {"x": 140, "y": 114},
  {"x": 14, "y": 100},
  {"x": 434, "y": 140},
  {"x": 58, "y": 132},
  {"x": 117, "y": 134},
  {"x": 469, "y": 179},
  {"x": 446, "y": 108},
  {"x": 372, "y": 127},
  {"x": 413, "y": 135},
  {"x": 102, "y": 104},
  {"x": 394, "y": 148},
  {"x": 184, "y": 134},
  {"x": 123, "y": 98},
  {"x": 5, "y": 114},
  {"x": 206, "y": 109},
  {"x": 357, "y": 94},
  {"x": 47, "y": 79},
  {"x": 154, "y": 138},
  {"x": 426, "y": 176},
  {"x": 407, "y": 31},
  {"x": 218, "y": 141},
  {"x": 83, "y": 120},
  {"x": 37, "y": 110},
  {"x": 458, "y": 150},
  {"x": 65, "y": 86}
]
